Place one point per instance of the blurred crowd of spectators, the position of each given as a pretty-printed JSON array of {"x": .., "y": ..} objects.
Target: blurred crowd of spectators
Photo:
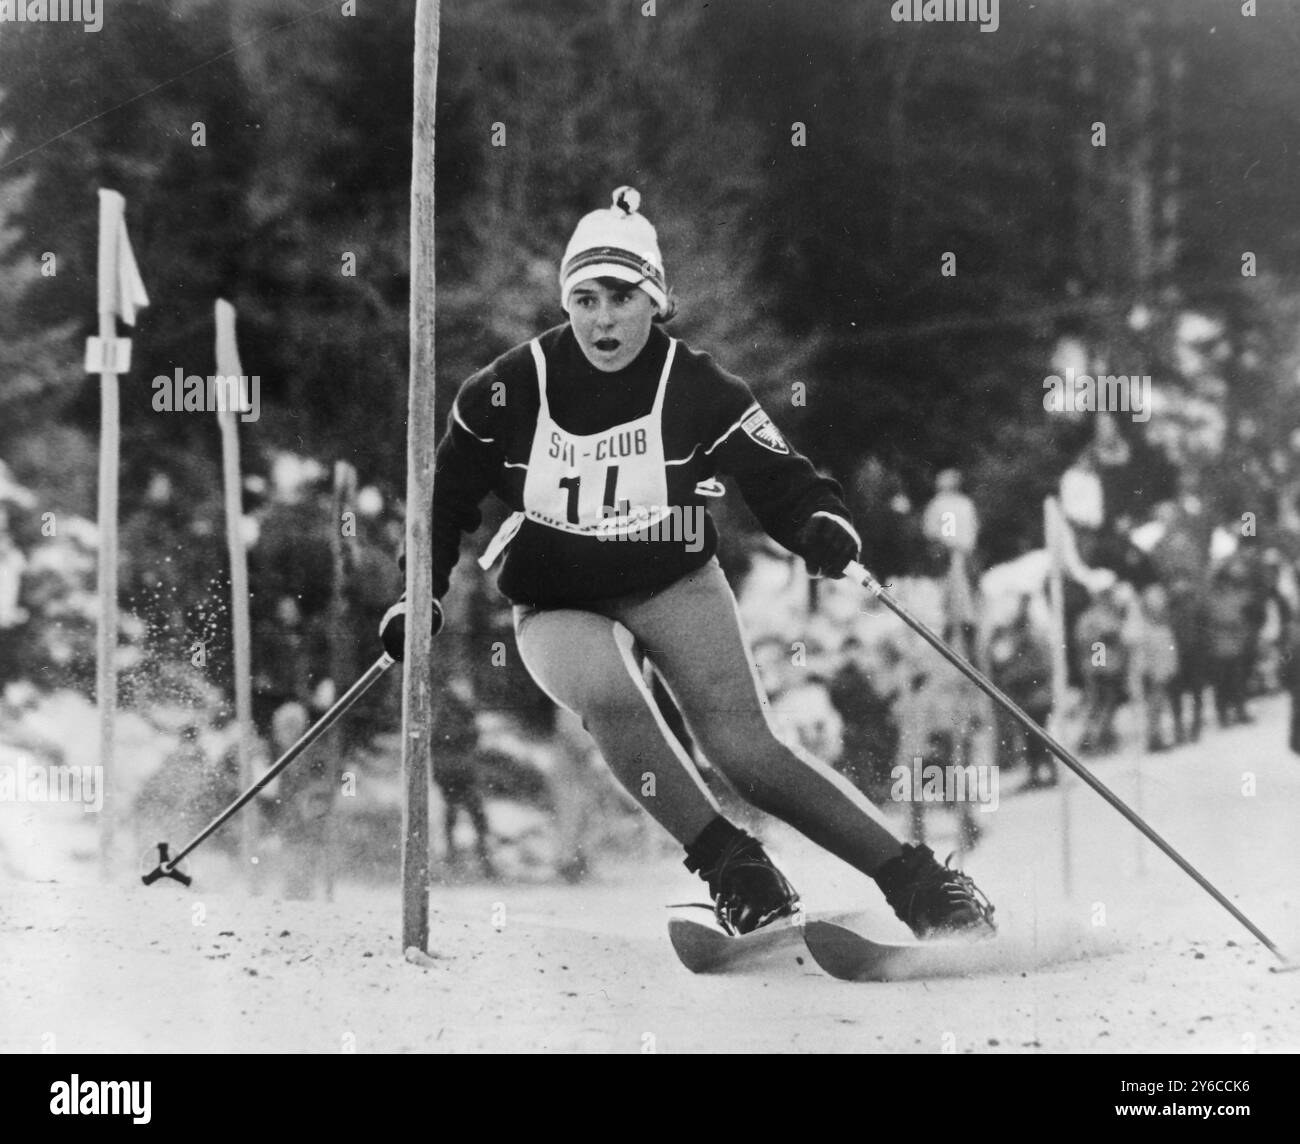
[
  {"x": 1171, "y": 621},
  {"x": 1153, "y": 622}
]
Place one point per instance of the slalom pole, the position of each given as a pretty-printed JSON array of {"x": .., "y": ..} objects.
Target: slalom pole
[
  {"x": 120, "y": 294},
  {"x": 421, "y": 448},
  {"x": 166, "y": 867},
  {"x": 229, "y": 368},
  {"x": 860, "y": 575},
  {"x": 110, "y": 438},
  {"x": 1054, "y": 530}
]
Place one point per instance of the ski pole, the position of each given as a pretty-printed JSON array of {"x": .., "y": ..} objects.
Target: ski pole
[
  {"x": 166, "y": 867},
  {"x": 860, "y": 575}
]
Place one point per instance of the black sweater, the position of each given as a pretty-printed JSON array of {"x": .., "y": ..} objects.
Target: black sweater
[{"x": 711, "y": 425}]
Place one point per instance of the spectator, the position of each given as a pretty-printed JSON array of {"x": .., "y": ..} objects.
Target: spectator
[
  {"x": 1103, "y": 660},
  {"x": 1186, "y": 608},
  {"x": 1180, "y": 555},
  {"x": 870, "y": 733},
  {"x": 951, "y": 525},
  {"x": 1275, "y": 628},
  {"x": 1228, "y": 629},
  {"x": 281, "y": 667},
  {"x": 922, "y": 710},
  {"x": 1020, "y": 662},
  {"x": 1291, "y": 680},
  {"x": 1113, "y": 548},
  {"x": 890, "y": 532},
  {"x": 1254, "y": 578},
  {"x": 455, "y": 751},
  {"x": 950, "y": 518},
  {"x": 12, "y": 614},
  {"x": 939, "y": 719},
  {"x": 1156, "y": 663}
]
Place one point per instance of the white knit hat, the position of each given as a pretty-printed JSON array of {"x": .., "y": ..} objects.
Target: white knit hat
[{"x": 615, "y": 243}]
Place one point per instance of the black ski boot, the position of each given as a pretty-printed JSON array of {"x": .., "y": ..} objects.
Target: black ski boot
[
  {"x": 748, "y": 890},
  {"x": 934, "y": 900}
]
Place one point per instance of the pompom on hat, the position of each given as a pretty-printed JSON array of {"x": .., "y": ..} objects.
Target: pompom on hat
[{"x": 616, "y": 242}]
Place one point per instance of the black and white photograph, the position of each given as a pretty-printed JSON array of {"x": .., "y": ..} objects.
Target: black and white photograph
[{"x": 556, "y": 527}]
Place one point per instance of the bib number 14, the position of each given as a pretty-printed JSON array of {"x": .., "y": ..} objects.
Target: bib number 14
[{"x": 572, "y": 484}]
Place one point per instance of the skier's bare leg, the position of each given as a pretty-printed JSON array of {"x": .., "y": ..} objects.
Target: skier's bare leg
[
  {"x": 588, "y": 663},
  {"x": 691, "y": 632}
]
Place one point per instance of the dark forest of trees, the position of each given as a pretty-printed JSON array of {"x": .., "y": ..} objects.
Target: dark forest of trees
[{"x": 818, "y": 263}]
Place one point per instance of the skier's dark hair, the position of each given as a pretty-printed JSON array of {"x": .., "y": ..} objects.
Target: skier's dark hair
[{"x": 670, "y": 313}]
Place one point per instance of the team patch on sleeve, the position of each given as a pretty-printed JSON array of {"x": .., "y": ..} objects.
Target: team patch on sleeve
[{"x": 760, "y": 427}]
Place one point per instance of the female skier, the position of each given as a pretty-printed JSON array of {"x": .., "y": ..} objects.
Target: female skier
[{"x": 604, "y": 435}]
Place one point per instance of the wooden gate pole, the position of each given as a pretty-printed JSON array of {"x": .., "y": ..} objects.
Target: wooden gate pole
[{"x": 417, "y": 698}]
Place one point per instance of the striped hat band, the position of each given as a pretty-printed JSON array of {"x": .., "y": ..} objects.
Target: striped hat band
[{"x": 640, "y": 265}]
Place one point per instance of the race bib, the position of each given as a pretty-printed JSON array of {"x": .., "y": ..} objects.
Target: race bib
[{"x": 581, "y": 483}]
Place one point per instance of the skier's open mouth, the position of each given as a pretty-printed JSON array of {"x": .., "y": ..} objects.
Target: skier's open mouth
[{"x": 606, "y": 345}]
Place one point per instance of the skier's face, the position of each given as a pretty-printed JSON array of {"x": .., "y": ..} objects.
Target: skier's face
[{"x": 611, "y": 322}]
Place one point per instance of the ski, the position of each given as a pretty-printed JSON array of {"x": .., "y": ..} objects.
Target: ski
[
  {"x": 851, "y": 956},
  {"x": 704, "y": 948}
]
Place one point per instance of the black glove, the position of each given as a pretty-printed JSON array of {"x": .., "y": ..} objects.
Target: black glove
[
  {"x": 827, "y": 543},
  {"x": 392, "y": 628}
]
